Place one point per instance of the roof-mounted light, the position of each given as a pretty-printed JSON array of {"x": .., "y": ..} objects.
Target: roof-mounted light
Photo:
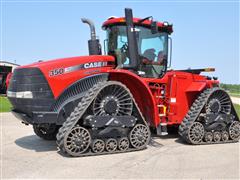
[
  {"x": 165, "y": 23},
  {"x": 112, "y": 17},
  {"x": 209, "y": 69}
]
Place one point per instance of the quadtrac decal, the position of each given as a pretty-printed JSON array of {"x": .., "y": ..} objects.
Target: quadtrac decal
[{"x": 59, "y": 71}]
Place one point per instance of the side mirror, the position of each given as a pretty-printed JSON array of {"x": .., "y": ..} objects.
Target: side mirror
[
  {"x": 137, "y": 34},
  {"x": 154, "y": 27},
  {"x": 105, "y": 45}
]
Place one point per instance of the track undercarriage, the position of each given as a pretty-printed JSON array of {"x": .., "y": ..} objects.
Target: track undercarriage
[
  {"x": 211, "y": 119},
  {"x": 107, "y": 120}
]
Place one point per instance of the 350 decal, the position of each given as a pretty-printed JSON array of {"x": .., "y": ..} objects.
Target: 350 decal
[
  {"x": 59, "y": 71},
  {"x": 56, "y": 72}
]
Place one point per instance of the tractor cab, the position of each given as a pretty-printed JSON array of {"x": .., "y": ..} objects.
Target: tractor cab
[{"x": 138, "y": 44}]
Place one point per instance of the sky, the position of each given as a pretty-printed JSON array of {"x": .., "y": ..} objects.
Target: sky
[{"x": 206, "y": 33}]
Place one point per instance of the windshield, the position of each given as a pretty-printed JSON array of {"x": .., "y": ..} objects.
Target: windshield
[{"x": 152, "y": 49}]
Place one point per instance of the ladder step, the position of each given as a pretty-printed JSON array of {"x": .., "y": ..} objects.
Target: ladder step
[
  {"x": 163, "y": 133},
  {"x": 164, "y": 109},
  {"x": 162, "y": 129}
]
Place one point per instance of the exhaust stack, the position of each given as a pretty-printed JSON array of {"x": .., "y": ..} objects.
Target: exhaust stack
[
  {"x": 94, "y": 46},
  {"x": 132, "y": 41}
]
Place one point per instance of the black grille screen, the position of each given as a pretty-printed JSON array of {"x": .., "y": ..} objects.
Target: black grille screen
[{"x": 30, "y": 79}]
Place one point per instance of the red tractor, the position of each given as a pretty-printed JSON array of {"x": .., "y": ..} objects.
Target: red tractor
[{"x": 101, "y": 104}]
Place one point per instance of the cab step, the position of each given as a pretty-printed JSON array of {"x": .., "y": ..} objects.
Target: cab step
[{"x": 162, "y": 129}]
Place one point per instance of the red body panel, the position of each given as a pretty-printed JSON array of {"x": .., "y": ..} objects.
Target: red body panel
[
  {"x": 179, "y": 94},
  {"x": 196, "y": 86}
]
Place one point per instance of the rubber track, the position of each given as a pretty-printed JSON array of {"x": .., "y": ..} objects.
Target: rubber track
[
  {"x": 80, "y": 109},
  {"x": 193, "y": 114}
]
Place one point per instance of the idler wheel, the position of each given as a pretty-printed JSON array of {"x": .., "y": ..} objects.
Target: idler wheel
[
  {"x": 139, "y": 136},
  {"x": 196, "y": 133},
  {"x": 77, "y": 141},
  {"x": 234, "y": 130}
]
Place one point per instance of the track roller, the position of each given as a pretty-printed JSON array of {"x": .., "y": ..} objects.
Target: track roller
[
  {"x": 208, "y": 137},
  {"x": 123, "y": 144},
  {"x": 98, "y": 146},
  {"x": 111, "y": 145},
  {"x": 225, "y": 136},
  {"x": 216, "y": 136}
]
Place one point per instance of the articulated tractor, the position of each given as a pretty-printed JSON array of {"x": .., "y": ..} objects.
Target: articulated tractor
[{"x": 113, "y": 103}]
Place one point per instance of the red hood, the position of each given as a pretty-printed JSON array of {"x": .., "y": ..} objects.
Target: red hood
[{"x": 54, "y": 70}]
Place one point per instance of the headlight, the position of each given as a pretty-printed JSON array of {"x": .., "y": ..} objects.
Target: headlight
[
  {"x": 23, "y": 94},
  {"x": 11, "y": 94}
]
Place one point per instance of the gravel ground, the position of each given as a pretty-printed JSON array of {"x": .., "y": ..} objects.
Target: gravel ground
[{"x": 24, "y": 155}]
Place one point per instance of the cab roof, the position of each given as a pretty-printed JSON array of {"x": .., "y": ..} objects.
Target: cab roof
[{"x": 162, "y": 26}]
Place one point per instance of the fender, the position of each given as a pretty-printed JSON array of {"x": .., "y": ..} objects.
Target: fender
[
  {"x": 140, "y": 91},
  {"x": 196, "y": 86},
  {"x": 71, "y": 96}
]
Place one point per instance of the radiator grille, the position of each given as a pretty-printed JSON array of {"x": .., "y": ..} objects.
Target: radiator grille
[{"x": 30, "y": 79}]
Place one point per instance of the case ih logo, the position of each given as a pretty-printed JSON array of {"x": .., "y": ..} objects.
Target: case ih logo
[
  {"x": 94, "y": 65},
  {"x": 60, "y": 71}
]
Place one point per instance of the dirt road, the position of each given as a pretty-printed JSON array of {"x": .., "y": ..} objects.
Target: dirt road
[{"x": 235, "y": 100}]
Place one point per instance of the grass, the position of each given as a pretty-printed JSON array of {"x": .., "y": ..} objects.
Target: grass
[
  {"x": 234, "y": 94},
  {"x": 237, "y": 108},
  {"x": 5, "y": 105}
]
